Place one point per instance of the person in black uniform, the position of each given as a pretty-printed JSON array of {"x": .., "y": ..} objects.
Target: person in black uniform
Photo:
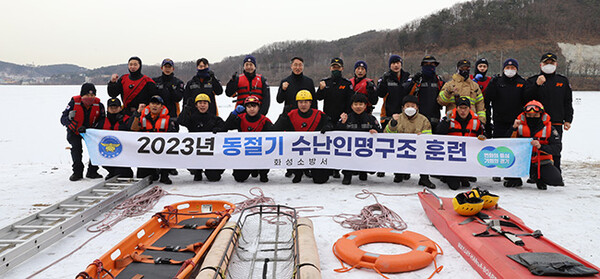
[
  {"x": 390, "y": 88},
  {"x": 200, "y": 119},
  {"x": 249, "y": 121},
  {"x": 170, "y": 88},
  {"x": 203, "y": 82},
  {"x": 249, "y": 83},
  {"x": 291, "y": 85},
  {"x": 134, "y": 88},
  {"x": 83, "y": 111},
  {"x": 305, "y": 118},
  {"x": 426, "y": 85},
  {"x": 554, "y": 92},
  {"x": 358, "y": 119}
]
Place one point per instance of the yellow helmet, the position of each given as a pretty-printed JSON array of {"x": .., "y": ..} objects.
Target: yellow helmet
[
  {"x": 489, "y": 200},
  {"x": 202, "y": 97},
  {"x": 303, "y": 95},
  {"x": 467, "y": 204}
]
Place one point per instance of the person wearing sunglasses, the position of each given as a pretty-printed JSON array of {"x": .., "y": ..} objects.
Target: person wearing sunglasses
[{"x": 535, "y": 123}]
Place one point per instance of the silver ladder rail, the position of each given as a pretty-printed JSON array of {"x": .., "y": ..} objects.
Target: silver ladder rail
[{"x": 26, "y": 237}]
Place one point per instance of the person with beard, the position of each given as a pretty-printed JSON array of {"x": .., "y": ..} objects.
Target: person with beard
[
  {"x": 481, "y": 68},
  {"x": 115, "y": 120},
  {"x": 204, "y": 82},
  {"x": 134, "y": 88},
  {"x": 535, "y": 123},
  {"x": 410, "y": 121},
  {"x": 462, "y": 86},
  {"x": 153, "y": 118},
  {"x": 554, "y": 92},
  {"x": 291, "y": 85},
  {"x": 358, "y": 119},
  {"x": 390, "y": 88},
  {"x": 200, "y": 119},
  {"x": 83, "y": 111},
  {"x": 249, "y": 83},
  {"x": 426, "y": 85},
  {"x": 170, "y": 88},
  {"x": 364, "y": 85},
  {"x": 249, "y": 121}
]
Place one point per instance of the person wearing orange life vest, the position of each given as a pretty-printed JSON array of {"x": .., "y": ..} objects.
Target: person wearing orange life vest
[
  {"x": 153, "y": 118},
  {"x": 134, "y": 88},
  {"x": 249, "y": 121},
  {"x": 535, "y": 123},
  {"x": 305, "y": 118},
  {"x": 461, "y": 121},
  {"x": 249, "y": 83},
  {"x": 83, "y": 111},
  {"x": 115, "y": 120},
  {"x": 364, "y": 85}
]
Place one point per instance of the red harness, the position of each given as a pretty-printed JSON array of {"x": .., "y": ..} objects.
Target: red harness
[
  {"x": 132, "y": 88},
  {"x": 256, "y": 126},
  {"x": 305, "y": 124},
  {"x": 361, "y": 86}
]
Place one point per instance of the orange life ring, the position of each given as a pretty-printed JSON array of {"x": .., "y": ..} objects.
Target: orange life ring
[{"x": 424, "y": 251}]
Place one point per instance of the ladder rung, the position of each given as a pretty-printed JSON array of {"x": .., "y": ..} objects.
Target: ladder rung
[
  {"x": 92, "y": 197},
  {"x": 106, "y": 190},
  {"x": 11, "y": 241},
  {"x": 54, "y": 216},
  {"x": 66, "y": 205},
  {"x": 31, "y": 227},
  {"x": 117, "y": 184}
]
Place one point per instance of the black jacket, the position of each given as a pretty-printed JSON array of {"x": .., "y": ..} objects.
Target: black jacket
[
  {"x": 195, "y": 121},
  {"x": 427, "y": 90},
  {"x": 210, "y": 87},
  {"x": 391, "y": 88},
  {"x": 115, "y": 89},
  {"x": 114, "y": 119},
  {"x": 232, "y": 87},
  {"x": 359, "y": 122},
  {"x": 555, "y": 94},
  {"x": 296, "y": 83},
  {"x": 337, "y": 96},
  {"x": 504, "y": 99},
  {"x": 171, "y": 90}
]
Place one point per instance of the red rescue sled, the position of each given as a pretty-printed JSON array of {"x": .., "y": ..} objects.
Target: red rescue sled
[{"x": 488, "y": 254}]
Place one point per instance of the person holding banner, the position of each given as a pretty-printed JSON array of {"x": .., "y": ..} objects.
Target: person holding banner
[
  {"x": 134, "y": 88},
  {"x": 200, "y": 119},
  {"x": 153, "y": 118},
  {"x": 359, "y": 119},
  {"x": 461, "y": 121},
  {"x": 115, "y": 120},
  {"x": 249, "y": 121},
  {"x": 305, "y": 118},
  {"x": 249, "y": 83}
]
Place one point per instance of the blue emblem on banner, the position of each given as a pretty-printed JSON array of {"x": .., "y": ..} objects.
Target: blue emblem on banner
[
  {"x": 110, "y": 147},
  {"x": 501, "y": 157}
]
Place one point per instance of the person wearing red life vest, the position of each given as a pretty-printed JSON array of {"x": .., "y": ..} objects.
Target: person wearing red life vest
[
  {"x": 249, "y": 121},
  {"x": 134, "y": 88},
  {"x": 115, "y": 120},
  {"x": 153, "y": 118},
  {"x": 364, "y": 85},
  {"x": 305, "y": 118},
  {"x": 249, "y": 83},
  {"x": 535, "y": 123},
  {"x": 83, "y": 111},
  {"x": 479, "y": 76}
]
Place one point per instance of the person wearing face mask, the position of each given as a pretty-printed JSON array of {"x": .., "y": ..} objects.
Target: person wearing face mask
[
  {"x": 426, "y": 85},
  {"x": 115, "y": 120},
  {"x": 249, "y": 83},
  {"x": 335, "y": 91},
  {"x": 364, "y": 85},
  {"x": 291, "y": 85},
  {"x": 170, "y": 88},
  {"x": 204, "y": 82},
  {"x": 535, "y": 123},
  {"x": 554, "y": 92},
  {"x": 134, "y": 88},
  {"x": 462, "y": 86},
  {"x": 390, "y": 88},
  {"x": 410, "y": 121},
  {"x": 83, "y": 111},
  {"x": 480, "y": 74}
]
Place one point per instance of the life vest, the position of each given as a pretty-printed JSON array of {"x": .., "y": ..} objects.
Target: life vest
[
  {"x": 79, "y": 113},
  {"x": 305, "y": 124},
  {"x": 256, "y": 126},
  {"x": 246, "y": 88},
  {"x": 109, "y": 126},
  {"x": 131, "y": 88},
  {"x": 541, "y": 135},
  {"x": 483, "y": 84},
  {"x": 457, "y": 130},
  {"x": 160, "y": 125},
  {"x": 361, "y": 86}
]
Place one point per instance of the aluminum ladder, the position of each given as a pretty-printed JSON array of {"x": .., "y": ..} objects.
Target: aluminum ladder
[{"x": 26, "y": 237}]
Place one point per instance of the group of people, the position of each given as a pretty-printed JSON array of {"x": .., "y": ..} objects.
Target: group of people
[{"x": 476, "y": 105}]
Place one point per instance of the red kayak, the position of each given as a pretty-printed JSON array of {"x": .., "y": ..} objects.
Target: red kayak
[{"x": 499, "y": 234}]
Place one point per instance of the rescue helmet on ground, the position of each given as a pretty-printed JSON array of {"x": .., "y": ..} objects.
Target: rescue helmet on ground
[
  {"x": 534, "y": 106},
  {"x": 489, "y": 200},
  {"x": 303, "y": 95},
  {"x": 252, "y": 100},
  {"x": 467, "y": 204},
  {"x": 202, "y": 97}
]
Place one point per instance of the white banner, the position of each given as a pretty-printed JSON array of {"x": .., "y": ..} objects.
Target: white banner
[{"x": 400, "y": 153}]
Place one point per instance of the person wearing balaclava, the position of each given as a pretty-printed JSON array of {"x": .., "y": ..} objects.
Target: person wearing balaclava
[
  {"x": 554, "y": 92},
  {"x": 462, "y": 86},
  {"x": 426, "y": 85},
  {"x": 134, "y": 88},
  {"x": 535, "y": 123},
  {"x": 410, "y": 121},
  {"x": 480, "y": 74},
  {"x": 204, "y": 82},
  {"x": 247, "y": 84},
  {"x": 335, "y": 91},
  {"x": 83, "y": 111}
]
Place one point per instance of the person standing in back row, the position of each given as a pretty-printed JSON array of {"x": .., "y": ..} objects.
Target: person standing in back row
[
  {"x": 249, "y": 83},
  {"x": 426, "y": 85},
  {"x": 204, "y": 82},
  {"x": 364, "y": 85},
  {"x": 134, "y": 88},
  {"x": 291, "y": 85},
  {"x": 480, "y": 74},
  {"x": 390, "y": 88},
  {"x": 169, "y": 87}
]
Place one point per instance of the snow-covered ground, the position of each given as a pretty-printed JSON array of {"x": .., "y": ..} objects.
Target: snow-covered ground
[{"x": 35, "y": 166}]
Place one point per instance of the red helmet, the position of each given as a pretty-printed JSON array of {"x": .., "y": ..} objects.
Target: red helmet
[
  {"x": 534, "y": 106},
  {"x": 252, "y": 100}
]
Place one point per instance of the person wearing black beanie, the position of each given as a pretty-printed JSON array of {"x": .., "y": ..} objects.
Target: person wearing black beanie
[
  {"x": 249, "y": 83},
  {"x": 134, "y": 88},
  {"x": 390, "y": 88},
  {"x": 170, "y": 88},
  {"x": 203, "y": 82},
  {"x": 479, "y": 75}
]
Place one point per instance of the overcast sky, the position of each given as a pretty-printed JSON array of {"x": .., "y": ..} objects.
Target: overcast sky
[{"x": 107, "y": 32}]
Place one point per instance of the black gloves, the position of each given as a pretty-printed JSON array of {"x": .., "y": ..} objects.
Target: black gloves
[
  {"x": 417, "y": 77},
  {"x": 81, "y": 130}
]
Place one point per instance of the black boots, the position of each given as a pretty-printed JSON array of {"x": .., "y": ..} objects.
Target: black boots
[{"x": 424, "y": 181}]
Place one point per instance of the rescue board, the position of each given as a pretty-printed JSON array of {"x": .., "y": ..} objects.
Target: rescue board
[
  {"x": 171, "y": 244},
  {"x": 488, "y": 255}
]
